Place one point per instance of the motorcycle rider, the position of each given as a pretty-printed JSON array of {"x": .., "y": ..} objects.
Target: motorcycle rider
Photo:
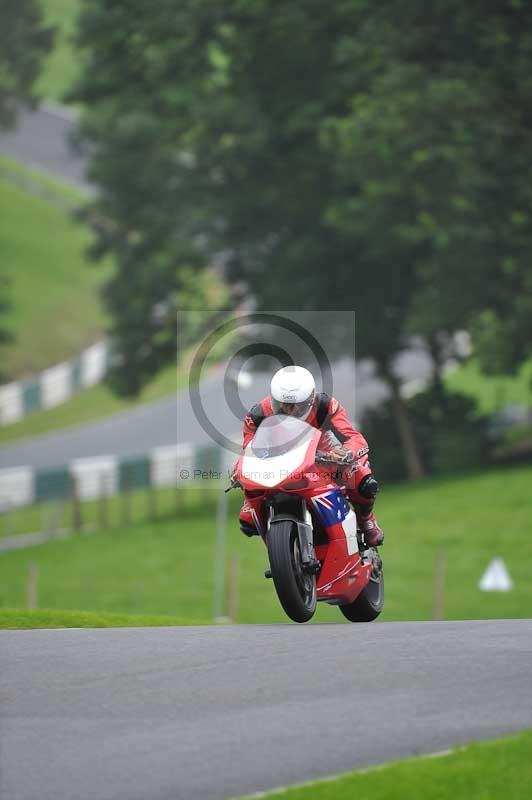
[{"x": 293, "y": 392}]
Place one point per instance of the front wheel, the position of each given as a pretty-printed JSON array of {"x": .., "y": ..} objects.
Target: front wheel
[
  {"x": 296, "y": 590},
  {"x": 370, "y": 602}
]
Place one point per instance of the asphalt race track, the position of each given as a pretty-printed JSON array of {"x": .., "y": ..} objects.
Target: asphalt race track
[
  {"x": 42, "y": 139},
  {"x": 216, "y": 712}
]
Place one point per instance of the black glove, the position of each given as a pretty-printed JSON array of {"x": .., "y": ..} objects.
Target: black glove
[
  {"x": 234, "y": 479},
  {"x": 338, "y": 455}
]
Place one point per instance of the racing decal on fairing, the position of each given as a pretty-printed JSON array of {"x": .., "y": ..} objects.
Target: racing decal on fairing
[
  {"x": 331, "y": 506},
  {"x": 349, "y": 568},
  {"x": 350, "y": 529}
]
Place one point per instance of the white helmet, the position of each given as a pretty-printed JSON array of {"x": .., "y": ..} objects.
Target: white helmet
[{"x": 293, "y": 391}]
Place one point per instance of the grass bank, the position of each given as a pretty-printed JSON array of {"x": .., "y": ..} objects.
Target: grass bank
[
  {"x": 492, "y": 392},
  {"x": 17, "y": 618},
  {"x": 497, "y": 770},
  {"x": 167, "y": 567},
  {"x": 52, "y": 289},
  {"x": 61, "y": 67}
]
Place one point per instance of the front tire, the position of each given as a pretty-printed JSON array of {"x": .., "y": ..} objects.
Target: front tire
[
  {"x": 370, "y": 602},
  {"x": 296, "y": 590}
]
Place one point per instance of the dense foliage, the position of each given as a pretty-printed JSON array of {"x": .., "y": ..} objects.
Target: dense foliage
[
  {"x": 375, "y": 156},
  {"x": 24, "y": 41},
  {"x": 452, "y": 435}
]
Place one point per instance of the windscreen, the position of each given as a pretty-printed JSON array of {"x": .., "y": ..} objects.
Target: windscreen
[
  {"x": 279, "y": 448},
  {"x": 279, "y": 434}
]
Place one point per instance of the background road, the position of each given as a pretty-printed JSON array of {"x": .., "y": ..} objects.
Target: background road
[
  {"x": 42, "y": 139},
  {"x": 173, "y": 420},
  {"x": 206, "y": 713}
]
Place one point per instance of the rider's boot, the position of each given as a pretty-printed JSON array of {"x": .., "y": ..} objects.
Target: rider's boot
[{"x": 367, "y": 523}]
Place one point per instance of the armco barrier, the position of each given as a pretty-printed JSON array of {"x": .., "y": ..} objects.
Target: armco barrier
[
  {"x": 104, "y": 476},
  {"x": 55, "y": 385},
  {"x": 59, "y": 383}
]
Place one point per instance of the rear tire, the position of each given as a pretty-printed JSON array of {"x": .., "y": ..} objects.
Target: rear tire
[
  {"x": 296, "y": 590},
  {"x": 369, "y": 603}
]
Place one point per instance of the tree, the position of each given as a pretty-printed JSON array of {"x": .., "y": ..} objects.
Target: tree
[
  {"x": 438, "y": 146},
  {"x": 353, "y": 155},
  {"x": 205, "y": 133},
  {"x": 24, "y": 41}
]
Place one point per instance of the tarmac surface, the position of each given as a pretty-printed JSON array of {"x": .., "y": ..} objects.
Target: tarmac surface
[
  {"x": 207, "y": 713},
  {"x": 44, "y": 139}
]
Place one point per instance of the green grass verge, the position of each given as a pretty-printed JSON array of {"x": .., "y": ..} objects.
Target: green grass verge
[
  {"x": 167, "y": 567},
  {"x": 517, "y": 435},
  {"x": 42, "y": 184},
  {"x": 135, "y": 507},
  {"x": 496, "y": 770},
  {"x": 61, "y": 67},
  {"x": 492, "y": 392},
  {"x": 53, "y": 291},
  {"x": 16, "y": 618}
]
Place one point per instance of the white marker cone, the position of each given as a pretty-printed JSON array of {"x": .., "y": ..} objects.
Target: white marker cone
[{"x": 496, "y": 578}]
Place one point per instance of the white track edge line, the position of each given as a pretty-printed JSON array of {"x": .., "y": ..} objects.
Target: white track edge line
[{"x": 338, "y": 776}]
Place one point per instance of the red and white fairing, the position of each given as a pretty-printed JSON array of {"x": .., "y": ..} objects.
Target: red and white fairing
[{"x": 282, "y": 458}]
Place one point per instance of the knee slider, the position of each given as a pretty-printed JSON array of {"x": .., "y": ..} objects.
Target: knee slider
[{"x": 368, "y": 487}]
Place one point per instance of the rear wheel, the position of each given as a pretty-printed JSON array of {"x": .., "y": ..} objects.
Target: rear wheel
[
  {"x": 369, "y": 603},
  {"x": 296, "y": 590}
]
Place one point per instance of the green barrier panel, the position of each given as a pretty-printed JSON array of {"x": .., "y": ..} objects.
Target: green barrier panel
[
  {"x": 109, "y": 358},
  {"x": 31, "y": 397},
  {"x": 76, "y": 375},
  {"x": 208, "y": 462},
  {"x": 52, "y": 484},
  {"x": 134, "y": 473}
]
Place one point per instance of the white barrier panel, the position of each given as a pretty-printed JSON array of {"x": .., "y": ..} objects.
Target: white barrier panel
[
  {"x": 11, "y": 403},
  {"x": 170, "y": 465},
  {"x": 56, "y": 385},
  {"x": 16, "y": 487},
  {"x": 93, "y": 362},
  {"x": 95, "y": 476}
]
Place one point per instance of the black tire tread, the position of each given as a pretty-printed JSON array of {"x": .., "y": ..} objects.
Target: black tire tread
[
  {"x": 280, "y": 537},
  {"x": 362, "y": 609}
]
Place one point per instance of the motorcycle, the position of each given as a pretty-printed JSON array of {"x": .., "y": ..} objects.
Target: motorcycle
[{"x": 315, "y": 550}]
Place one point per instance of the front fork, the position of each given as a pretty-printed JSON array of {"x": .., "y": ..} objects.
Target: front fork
[{"x": 305, "y": 535}]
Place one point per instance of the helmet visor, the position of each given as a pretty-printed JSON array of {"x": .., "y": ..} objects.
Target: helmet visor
[{"x": 293, "y": 409}]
